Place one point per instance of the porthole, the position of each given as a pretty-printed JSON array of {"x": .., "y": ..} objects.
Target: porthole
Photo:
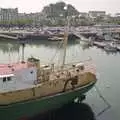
[
  {"x": 4, "y": 79},
  {"x": 9, "y": 78}
]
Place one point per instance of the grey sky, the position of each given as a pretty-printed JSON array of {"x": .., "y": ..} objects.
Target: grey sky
[{"x": 111, "y": 6}]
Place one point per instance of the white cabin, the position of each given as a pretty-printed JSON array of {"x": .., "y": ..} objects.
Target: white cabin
[
  {"x": 16, "y": 77},
  {"x": 7, "y": 82}
]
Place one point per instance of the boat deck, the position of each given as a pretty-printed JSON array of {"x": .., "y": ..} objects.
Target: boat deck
[{"x": 66, "y": 72}]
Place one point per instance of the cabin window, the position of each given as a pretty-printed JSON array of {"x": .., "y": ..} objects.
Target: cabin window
[
  {"x": 9, "y": 78},
  {"x": 4, "y": 79}
]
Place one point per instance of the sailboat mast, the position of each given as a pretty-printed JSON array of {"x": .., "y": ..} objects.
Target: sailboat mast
[{"x": 65, "y": 41}]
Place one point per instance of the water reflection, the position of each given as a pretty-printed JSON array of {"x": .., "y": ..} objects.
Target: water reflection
[
  {"x": 110, "y": 53},
  {"x": 85, "y": 46},
  {"x": 6, "y": 46},
  {"x": 107, "y": 65},
  {"x": 47, "y": 51},
  {"x": 50, "y": 44},
  {"x": 71, "y": 111},
  {"x": 14, "y": 46}
]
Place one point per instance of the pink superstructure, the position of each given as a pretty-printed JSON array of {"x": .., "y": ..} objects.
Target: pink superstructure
[
  {"x": 22, "y": 75},
  {"x": 6, "y": 69},
  {"x": 17, "y": 76}
]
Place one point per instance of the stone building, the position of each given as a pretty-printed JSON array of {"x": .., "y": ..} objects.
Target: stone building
[{"x": 8, "y": 14}]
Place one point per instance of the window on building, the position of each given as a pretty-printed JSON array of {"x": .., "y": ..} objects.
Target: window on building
[{"x": 4, "y": 79}]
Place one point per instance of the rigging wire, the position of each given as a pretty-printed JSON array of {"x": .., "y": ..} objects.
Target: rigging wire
[
  {"x": 9, "y": 50},
  {"x": 18, "y": 51},
  {"x": 105, "y": 101},
  {"x": 57, "y": 50}
]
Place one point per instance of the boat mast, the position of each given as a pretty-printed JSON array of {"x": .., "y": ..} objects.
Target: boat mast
[{"x": 65, "y": 39}]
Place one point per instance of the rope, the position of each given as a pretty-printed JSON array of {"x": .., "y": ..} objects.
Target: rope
[
  {"x": 57, "y": 50},
  {"x": 18, "y": 53},
  {"x": 105, "y": 101}
]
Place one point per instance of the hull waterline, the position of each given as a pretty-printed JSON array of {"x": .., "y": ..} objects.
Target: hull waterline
[{"x": 33, "y": 107}]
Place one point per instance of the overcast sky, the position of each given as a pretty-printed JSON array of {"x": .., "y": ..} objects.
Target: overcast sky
[{"x": 110, "y": 6}]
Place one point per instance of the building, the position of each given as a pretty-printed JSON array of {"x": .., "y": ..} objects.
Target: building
[
  {"x": 8, "y": 14},
  {"x": 94, "y": 14},
  {"x": 34, "y": 17},
  {"x": 117, "y": 15},
  {"x": 83, "y": 14},
  {"x": 116, "y": 18}
]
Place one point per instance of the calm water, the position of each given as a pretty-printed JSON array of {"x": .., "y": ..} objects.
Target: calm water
[{"x": 108, "y": 68}]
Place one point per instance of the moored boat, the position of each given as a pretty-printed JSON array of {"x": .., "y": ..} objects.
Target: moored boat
[
  {"x": 110, "y": 47},
  {"x": 28, "y": 88}
]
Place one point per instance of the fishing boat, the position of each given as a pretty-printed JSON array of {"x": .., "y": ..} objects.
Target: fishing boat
[{"x": 28, "y": 88}]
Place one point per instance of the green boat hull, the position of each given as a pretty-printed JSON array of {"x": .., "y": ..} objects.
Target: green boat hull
[{"x": 33, "y": 107}]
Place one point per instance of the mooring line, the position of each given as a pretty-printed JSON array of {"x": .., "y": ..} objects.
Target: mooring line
[{"x": 105, "y": 101}]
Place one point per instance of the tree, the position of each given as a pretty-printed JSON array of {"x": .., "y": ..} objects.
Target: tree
[{"x": 54, "y": 10}]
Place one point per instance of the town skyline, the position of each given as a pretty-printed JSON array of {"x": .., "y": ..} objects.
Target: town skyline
[{"x": 110, "y": 6}]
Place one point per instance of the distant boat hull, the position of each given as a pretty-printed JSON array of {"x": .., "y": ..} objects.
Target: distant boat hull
[
  {"x": 45, "y": 37},
  {"x": 27, "y": 109},
  {"x": 36, "y": 37},
  {"x": 110, "y": 49}
]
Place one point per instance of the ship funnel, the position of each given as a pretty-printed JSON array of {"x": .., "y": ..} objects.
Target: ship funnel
[{"x": 34, "y": 61}]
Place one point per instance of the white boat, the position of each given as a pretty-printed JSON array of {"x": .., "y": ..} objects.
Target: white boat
[
  {"x": 110, "y": 47},
  {"x": 55, "y": 38}
]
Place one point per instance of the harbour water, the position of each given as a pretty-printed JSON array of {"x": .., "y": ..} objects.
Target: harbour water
[{"x": 107, "y": 65}]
